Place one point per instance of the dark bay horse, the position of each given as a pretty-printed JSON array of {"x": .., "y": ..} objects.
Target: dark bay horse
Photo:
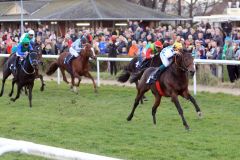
[
  {"x": 25, "y": 75},
  {"x": 79, "y": 65},
  {"x": 131, "y": 68},
  {"x": 132, "y": 72},
  {"x": 172, "y": 83},
  {"x": 38, "y": 48}
]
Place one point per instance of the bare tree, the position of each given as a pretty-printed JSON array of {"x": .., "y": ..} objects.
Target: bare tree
[
  {"x": 197, "y": 7},
  {"x": 179, "y": 7},
  {"x": 151, "y": 3},
  {"x": 164, "y": 5}
]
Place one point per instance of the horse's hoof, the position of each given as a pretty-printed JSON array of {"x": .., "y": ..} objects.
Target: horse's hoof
[
  {"x": 10, "y": 95},
  {"x": 129, "y": 118},
  {"x": 75, "y": 89},
  {"x": 95, "y": 91},
  {"x": 199, "y": 114},
  {"x": 187, "y": 128},
  {"x": 42, "y": 89},
  {"x": 12, "y": 99}
]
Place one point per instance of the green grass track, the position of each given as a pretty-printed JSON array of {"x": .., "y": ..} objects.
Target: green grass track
[{"x": 96, "y": 123}]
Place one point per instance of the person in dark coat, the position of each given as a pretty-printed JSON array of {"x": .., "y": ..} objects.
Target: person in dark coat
[{"x": 112, "y": 52}]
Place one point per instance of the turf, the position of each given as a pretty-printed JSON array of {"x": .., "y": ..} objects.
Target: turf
[{"x": 96, "y": 123}]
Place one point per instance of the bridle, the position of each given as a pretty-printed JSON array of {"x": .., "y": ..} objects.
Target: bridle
[
  {"x": 32, "y": 61},
  {"x": 182, "y": 67}
]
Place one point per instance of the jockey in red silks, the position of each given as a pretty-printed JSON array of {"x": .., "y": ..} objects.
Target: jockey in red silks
[{"x": 152, "y": 49}]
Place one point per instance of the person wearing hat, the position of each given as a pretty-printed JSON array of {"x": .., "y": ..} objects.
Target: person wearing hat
[
  {"x": 152, "y": 49},
  {"x": 75, "y": 49},
  {"x": 30, "y": 36},
  {"x": 23, "y": 49},
  {"x": 166, "y": 57}
]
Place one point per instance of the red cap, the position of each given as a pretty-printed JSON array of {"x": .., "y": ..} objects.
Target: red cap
[
  {"x": 158, "y": 44},
  {"x": 114, "y": 37}
]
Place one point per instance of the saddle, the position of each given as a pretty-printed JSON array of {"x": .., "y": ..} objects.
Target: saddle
[{"x": 67, "y": 60}]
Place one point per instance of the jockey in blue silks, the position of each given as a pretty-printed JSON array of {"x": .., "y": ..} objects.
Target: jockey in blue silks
[{"x": 23, "y": 49}]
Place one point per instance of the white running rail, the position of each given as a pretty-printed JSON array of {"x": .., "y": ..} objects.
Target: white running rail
[
  {"x": 196, "y": 61},
  {"x": 24, "y": 147}
]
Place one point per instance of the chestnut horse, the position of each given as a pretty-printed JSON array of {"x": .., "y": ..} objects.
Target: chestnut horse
[
  {"x": 171, "y": 83},
  {"x": 79, "y": 66}
]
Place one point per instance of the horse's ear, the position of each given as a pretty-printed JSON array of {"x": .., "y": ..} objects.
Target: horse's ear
[{"x": 88, "y": 46}]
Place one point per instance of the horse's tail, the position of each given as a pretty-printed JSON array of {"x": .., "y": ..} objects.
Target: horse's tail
[
  {"x": 136, "y": 76},
  {"x": 53, "y": 67},
  {"x": 124, "y": 76}
]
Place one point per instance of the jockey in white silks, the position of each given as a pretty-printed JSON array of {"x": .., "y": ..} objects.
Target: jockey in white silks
[
  {"x": 166, "y": 57},
  {"x": 75, "y": 49}
]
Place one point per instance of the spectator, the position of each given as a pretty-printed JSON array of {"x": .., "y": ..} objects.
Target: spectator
[
  {"x": 112, "y": 52},
  {"x": 133, "y": 49},
  {"x": 199, "y": 50}
]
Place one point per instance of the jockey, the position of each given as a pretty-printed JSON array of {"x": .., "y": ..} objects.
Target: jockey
[
  {"x": 153, "y": 49},
  {"x": 75, "y": 49},
  {"x": 23, "y": 49},
  {"x": 30, "y": 36},
  {"x": 166, "y": 57}
]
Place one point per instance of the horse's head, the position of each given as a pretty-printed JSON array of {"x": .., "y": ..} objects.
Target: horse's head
[
  {"x": 184, "y": 62},
  {"x": 33, "y": 58},
  {"x": 89, "y": 51},
  {"x": 38, "y": 49}
]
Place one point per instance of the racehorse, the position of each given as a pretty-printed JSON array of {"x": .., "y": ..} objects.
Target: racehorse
[
  {"x": 25, "y": 75},
  {"x": 171, "y": 83},
  {"x": 135, "y": 73},
  {"x": 131, "y": 68},
  {"x": 38, "y": 50},
  {"x": 79, "y": 66},
  {"x": 37, "y": 74}
]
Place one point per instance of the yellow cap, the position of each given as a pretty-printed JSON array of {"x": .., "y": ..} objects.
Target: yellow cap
[{"x": 178, "y": 45}]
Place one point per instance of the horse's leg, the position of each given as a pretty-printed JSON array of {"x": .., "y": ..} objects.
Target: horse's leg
[
  {"x": 136, "y": 83},
  {"x": 19, "y": 87},
  {"x": 94, "y": 84},
  {"x": 137, "y": 99},
  {"x": 155, "y": 106},
  {"x": 64, "y": 75},
  {"x": 5, "y": 76},
  {"x": 25, "y": 90},
  {"x": 189, "y": 97},
  {"x": 79, "y": 81},
  {"x": 11, "y": 93},
  {"x": 42, "y": 82},
  {"x": 30, "y": 95},
  {"x": 180, "y": 111},
  {"x": 73, "y": 84}
]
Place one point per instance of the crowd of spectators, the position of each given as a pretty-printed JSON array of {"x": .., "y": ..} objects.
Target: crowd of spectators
[{"x": 202, "y": 40}]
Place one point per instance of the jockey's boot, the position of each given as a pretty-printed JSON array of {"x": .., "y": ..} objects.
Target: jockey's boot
[
  {"x": 68, "y": 59},
  {"x": 15, "y": 66},
  {"x": 153, "y": 77},
  {"x": 144, "y": 64},
  {"x": 138, "y": 65}
]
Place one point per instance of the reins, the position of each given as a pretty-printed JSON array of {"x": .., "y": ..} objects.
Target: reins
[
  {"x": 24, "y": 70},
  {"x": 183, "y": 68}
]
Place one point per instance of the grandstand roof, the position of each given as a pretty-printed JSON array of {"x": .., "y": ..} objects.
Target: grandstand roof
[{"x": 47, "y": 10}]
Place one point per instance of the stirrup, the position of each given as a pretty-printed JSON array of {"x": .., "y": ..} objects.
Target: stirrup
[{"x": 151, "y": 79}]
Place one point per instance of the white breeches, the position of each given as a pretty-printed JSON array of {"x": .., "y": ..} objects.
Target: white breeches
[{"x": 73, "y": 52}]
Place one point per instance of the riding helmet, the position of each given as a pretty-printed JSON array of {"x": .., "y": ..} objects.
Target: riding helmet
[{"x": 158, "y": 44}]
